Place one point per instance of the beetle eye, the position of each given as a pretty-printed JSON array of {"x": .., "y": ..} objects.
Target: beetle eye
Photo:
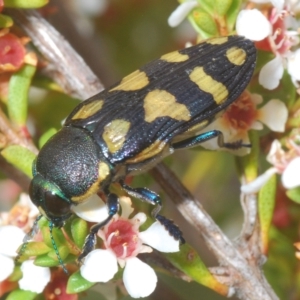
[{"x": 55, "y": 205}]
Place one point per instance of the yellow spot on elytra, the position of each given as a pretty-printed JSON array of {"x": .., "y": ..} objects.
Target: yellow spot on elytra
[
  {"x": 207, "y": 84},
  {"x": 114, "y": 134},
  {"x": 88, "y": 110},
  {"x": 154, "y": 149},
  {"x": 190, "y": 131},
  {"x": 217, "y": 41},
  {"x": 236, "y": 56},
  {"x": 134, "y": 81},
  {"x": 175, "y": 57},
  {"x": 103, "y": 173},
  {"x": 198, "y": 126},
  {"x": 160, "y": 103}
]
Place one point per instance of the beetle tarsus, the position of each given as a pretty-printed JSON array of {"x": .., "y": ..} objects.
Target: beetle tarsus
[
  {"x": 90, "y": 241},
  {"x": 172, "y": 228},
  {"x": 89, "y": 245},
  {"x": 28, "y": 237},
  {"x": 206, "y": 136},
  {"x": 149, "y": 196}
]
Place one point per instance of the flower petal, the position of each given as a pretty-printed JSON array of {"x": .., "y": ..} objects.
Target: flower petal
[
  {"x": 255, "y": 185},
  {"x": 275, "y": 152},
  {"x": 11, "y": 238},
  {"x": 93, "y": 210},
  {"x": 127, "y": 208},
  {"x": 26, "y": 202},
  {"x": 290, "y": 176},
  {"x": 260, "y": 1},
  {"x": 159, "y": 238},
  {"x": 271, "y": 73},
  {"x": 12, "y": 52},
  {"x": 99, "y": 266},
  {"x": 180, "y": 13},
  {"x": 274, "y": 114},
  {"x": 278, "y": 4},
  {"x": 7, "y": 267},
  {"x": 34, "y": 278},
  {"x": 257, "y": 125},
  {"x": 139, "y": 219},
  {"x": 230, "y": 135},
  {"x": 293, "y": 65},
  {"x": 139, "y": 278},
  {"x": 253, "y": 25}
]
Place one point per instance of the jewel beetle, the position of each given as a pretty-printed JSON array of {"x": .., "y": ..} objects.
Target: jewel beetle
[{"x": 131, "y": 126}]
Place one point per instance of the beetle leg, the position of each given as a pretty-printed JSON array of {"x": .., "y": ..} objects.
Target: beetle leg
[
  {"x": 28, "y": 237},
  {"x": 203, "y": 137},
  {"x": 51, "y": 225},
  {"x": 150, "y": 197},
  {"x": 90, "y": 241}
]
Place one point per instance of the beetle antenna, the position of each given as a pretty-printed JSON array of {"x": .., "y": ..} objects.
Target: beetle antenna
[
  {"x": 56, "y": 249},
  {"x": 28, "y": 237}
]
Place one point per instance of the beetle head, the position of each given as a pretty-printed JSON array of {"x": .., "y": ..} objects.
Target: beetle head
[{"x": 50, "y": 200}]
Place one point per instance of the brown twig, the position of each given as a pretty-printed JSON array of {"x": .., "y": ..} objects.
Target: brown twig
[{"x": 241, "y": 261}]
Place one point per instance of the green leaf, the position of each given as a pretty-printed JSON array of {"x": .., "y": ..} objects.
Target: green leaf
[
  {"x": 77, "y": 284},
  {"x": 188, "y": 261},
  {"x": 56, "y": 232},
  {"x": 21, "y": 295},
  {"x": 205, "y": 22},
  {"x": 62, "y": 250},
  {"x": 19, "y": 84},
  {"x": 20, "y": 157},
  {"x": 79, "y": 230},
  {"x": 294, "y": 194},
  {"x": 35, "y": 249},
  {"x": 266, "y": 203},
  {"x": 5, "y": 21},
  {"x": 25, "y": 3},
  {"x": 232, "y": 13},
  {"x": 46, "y": 136},
  {"x": 207, "y": 5},
  {"x": 222, "y": 6},
  {"x": 46, "y": 261},
  {"x": 16, "y": 274}
]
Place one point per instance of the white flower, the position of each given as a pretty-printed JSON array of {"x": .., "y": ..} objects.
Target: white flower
[
  {"x": 286, "y": 163},
  {"x": 243, "y": 115},
  {"x": 278, "y": 34},
  {"x": 290, "y": 177},
  {"x": 11, "y": 238},
  {"x": 293, "y": 65},
  {"x": 181, "y": 12},
  {"x": 22, "y": 214},
  {"x": 92, "y": 210},
  {"x": 139, "y": 278},
  {"x": 271, "y": 73},
  {"x": 34, "y": 278},
  {"x": 123, "y": 242},
  {"x": 260, "y": 26}
]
